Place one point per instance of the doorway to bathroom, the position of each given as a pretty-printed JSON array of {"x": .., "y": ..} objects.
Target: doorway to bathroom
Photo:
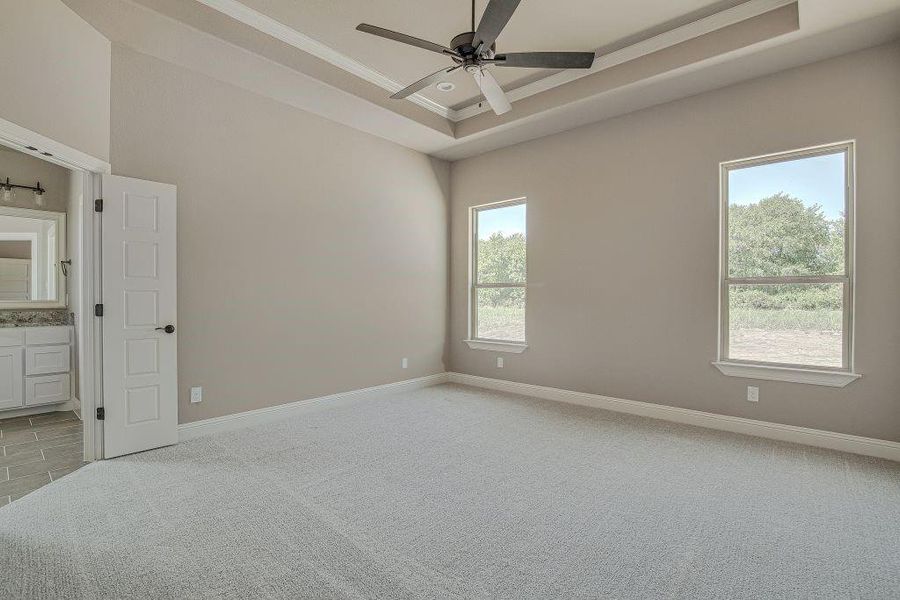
[{"x": 63, "y": 402}]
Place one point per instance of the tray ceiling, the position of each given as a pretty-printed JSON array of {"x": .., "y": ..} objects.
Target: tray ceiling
[
  {"x": 573, "y": 25},
  {"x": 307, "y": 54}
]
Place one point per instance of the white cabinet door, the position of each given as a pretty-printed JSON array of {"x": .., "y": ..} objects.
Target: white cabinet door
[
  {"x": 11, "y": 377},
  {"x": 47, "y": 389},
  {"x": 140, "y": 377}
]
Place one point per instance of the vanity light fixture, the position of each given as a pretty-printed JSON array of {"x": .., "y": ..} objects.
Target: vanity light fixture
[{"x": 9, "y": 187}]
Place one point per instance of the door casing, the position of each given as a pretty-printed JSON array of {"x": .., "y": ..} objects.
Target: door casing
[{"x": 87, "y": 263}]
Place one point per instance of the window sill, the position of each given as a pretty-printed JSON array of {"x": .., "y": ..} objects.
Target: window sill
[
  {"x": 496, "y": 346},
  {"x": 791, "y": 374}
]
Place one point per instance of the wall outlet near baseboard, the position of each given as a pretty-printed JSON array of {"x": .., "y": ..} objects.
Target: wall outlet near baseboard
[
  {"x": 499, "y": 362},
  {"x": 196, "y": 394},
  {"x": 752, "y": 393},
  {"x": 404, "y": 363}
]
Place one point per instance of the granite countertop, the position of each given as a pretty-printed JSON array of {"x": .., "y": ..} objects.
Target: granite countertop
[{"x": 35, "y": 318}]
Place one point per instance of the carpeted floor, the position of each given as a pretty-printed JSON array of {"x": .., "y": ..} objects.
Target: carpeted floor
[{"x": 453, "y": 492}]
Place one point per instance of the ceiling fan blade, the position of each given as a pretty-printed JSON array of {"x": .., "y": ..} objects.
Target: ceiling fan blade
[
  {"x": 546, "y": 60},
  {"x": 492, "y": 91},
  {"x": 404, "y": 39},
  {"x": 494, "y": 19},
  {"x": 423, "y": 83}
]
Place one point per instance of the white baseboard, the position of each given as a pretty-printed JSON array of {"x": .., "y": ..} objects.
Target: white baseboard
[
  {"x": 36, "y": 410},
  {"x": 775, "y": 431},
  {"x": 195, "y": 429}
]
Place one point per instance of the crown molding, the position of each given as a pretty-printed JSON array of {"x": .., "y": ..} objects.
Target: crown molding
[
  {"x": 730, "y": 16},
  {"x": 34, "y": 144},
  {"x": 672, "y": 37},
  {"x": 257, "y": 20}
]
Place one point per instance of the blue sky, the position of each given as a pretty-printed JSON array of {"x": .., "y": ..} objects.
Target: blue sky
[
  {"x": 815, "y": 180},
  {"x": 508, "y": 220}
]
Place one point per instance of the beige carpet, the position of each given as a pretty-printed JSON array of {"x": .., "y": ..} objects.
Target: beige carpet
[{"x": 452, "y": 492}]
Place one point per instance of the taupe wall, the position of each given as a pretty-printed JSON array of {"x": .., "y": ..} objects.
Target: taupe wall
[
  {"x": 55, "y": 74},
  {"x": 25, "y": 169},
  {"x": 311, "y": 257},
  {"x": 623, "y": 241},
  {"x": 15, "y": 249}
]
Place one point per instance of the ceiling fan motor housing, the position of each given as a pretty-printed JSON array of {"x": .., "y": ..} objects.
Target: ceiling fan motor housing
[{"x": 463, "y": 45}]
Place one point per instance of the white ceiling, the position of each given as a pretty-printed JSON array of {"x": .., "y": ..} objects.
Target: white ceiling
[{"x": 537, "y": 25}]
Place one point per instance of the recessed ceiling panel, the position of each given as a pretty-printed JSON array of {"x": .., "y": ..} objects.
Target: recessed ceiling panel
[{"x": 537, "y": 25}]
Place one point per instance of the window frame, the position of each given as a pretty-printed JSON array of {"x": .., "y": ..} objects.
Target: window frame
[
  {"x": 797, "y": 372},
  {"x": 473, "y": 340}
]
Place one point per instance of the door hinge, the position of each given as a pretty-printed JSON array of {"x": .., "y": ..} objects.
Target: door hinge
[
  {"x": 101, "y": 413},
  {"x": 98, "y": 310},
  {"x": 98, "y": 205}
]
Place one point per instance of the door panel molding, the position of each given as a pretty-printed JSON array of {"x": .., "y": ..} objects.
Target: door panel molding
[{"x": 140, "y": 378}]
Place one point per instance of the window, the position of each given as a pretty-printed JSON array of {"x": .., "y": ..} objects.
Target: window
[
  {"x": 498, "y": 276},
  {"x": 786, "y": 283}
]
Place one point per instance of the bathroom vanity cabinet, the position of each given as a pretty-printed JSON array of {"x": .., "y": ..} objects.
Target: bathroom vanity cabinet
[{"x": 35, "y": 364}]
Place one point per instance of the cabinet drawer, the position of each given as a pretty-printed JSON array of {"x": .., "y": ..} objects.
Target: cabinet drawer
[
  {"x": 47, "y": 335},
  {"x": 46, "y": 389},
  {"x": 40, "y": 360},
  {"x": 11, "y": 336}
]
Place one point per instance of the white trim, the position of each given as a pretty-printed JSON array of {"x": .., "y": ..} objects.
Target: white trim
[
  {"x": 473, "y": 341},
  {"x": 39, "y": 260},
  {"x": 37, "y": 410},
  {"x": 88, "y": 263},
  {"x": 798, "y": 373},
  {"x": 775, "y": 431},
  {"x": 764, "y": 429},
  {"x": 257, "y": 20},
  {"x": 791, "y": 374},
  {"x": 22, "y": 139},
  {"x": 496, "y": 346},
  {"x": 90, "y": 328},
  {"x": 248, "y": 418},
  {"x": 261, "y": 22},
  {"x": 667, "y": 39}
]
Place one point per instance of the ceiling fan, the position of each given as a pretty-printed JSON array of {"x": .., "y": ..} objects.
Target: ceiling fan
[{"x": 475, "y": 50}]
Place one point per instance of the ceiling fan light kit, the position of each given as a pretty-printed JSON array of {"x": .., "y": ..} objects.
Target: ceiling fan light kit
[{"x": 475, "y": 50}]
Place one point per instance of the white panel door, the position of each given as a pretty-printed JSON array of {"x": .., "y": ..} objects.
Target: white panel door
[{"x": 140, "y": 376}]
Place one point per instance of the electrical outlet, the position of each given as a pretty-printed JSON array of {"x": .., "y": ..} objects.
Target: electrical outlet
[
  {"x": 752, "y": 393},
  {"x": 499, "y": 362},
  {"x": 404, "y": 363},
  {"x": 196, "y": 394}
]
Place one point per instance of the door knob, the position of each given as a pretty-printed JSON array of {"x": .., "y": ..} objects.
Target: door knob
[{"x": 167, "y": 329}]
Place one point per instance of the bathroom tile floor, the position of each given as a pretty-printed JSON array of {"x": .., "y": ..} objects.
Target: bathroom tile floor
[{"x": 38, "y": 449}]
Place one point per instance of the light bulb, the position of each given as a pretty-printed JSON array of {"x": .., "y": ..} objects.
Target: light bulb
[
  {"x": 39, "y": 197},
  {"x": 7, "y": 194}
]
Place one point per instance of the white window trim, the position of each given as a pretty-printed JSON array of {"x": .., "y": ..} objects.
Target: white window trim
[
  {"x": 513, "y": 347},
  {"x": 473, "y": 341},
  {"x": 808, "y": 374}
]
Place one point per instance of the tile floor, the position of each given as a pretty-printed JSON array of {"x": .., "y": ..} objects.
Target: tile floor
[{"x": 37, "y": 449}]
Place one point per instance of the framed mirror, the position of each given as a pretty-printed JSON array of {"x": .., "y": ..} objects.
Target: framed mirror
[{"x": 32, "y": 244}]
